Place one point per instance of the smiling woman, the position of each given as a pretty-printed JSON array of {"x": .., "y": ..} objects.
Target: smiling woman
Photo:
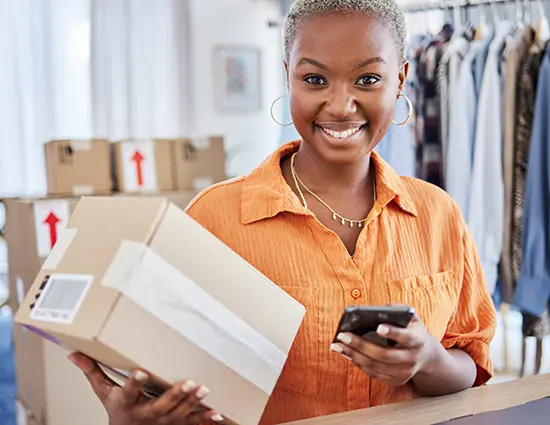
[{"x": 333, "y": 225}]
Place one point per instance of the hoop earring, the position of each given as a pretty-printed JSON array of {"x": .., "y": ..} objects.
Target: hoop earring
[
  {"x": 273, "y": 116},
  {"x": 409, "y": 115}
]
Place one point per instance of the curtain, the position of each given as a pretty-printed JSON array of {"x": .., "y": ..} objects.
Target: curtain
[{"x": 140, "y": 77}]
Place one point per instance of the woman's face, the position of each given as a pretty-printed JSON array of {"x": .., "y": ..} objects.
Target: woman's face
[{"x": 344, "y": 75}]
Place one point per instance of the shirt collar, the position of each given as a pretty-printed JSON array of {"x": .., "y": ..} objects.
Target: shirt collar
[{"x": 265, "y": 192}]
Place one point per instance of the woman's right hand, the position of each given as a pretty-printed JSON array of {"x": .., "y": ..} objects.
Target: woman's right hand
[{"x": 129, "y": 406}]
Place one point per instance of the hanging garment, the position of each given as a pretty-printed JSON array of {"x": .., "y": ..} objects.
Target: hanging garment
[
  {"x": 514, "y": 54},
  {"x": 462, "y": 124},
  {"x": 447, "y": 75},
  {"x": 430, "y": 158},
  {"x": 527, "y": 89},
  {"x": 533, "y": 285},
  {"x": 486, "y": 209}
]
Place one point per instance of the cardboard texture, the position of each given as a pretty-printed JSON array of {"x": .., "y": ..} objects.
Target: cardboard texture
[
  {"x": 131, "y": 284},
  {"x": 41, "y": 365},
  {"x": 143, "y": 166},
  {"x": 78, "y": 167},
  {"x": 487, "y": 405},
  {"x": 199, "y": 162}
]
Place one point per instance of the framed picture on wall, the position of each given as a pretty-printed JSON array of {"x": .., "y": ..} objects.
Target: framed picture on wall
[{"x": 237, "y": 79}]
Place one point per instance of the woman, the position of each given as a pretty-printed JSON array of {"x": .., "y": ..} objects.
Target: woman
[{"x": 333, "y": 225}]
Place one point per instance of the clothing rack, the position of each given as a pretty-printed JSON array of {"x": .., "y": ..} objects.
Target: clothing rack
[{"x": 443, "y": 5}]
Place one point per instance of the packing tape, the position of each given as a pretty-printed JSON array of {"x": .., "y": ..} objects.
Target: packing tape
[{"x": 165, "y": 292}]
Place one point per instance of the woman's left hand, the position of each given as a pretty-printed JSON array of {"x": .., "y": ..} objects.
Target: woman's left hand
[{"x": 414, "y": 351}]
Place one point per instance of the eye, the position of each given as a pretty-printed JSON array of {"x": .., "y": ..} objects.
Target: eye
[
  {"x": 367, "y": 80},
  {"x": 315, "y": 80}
]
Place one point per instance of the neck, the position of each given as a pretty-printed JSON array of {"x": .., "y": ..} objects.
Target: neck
[{"x": 321, "y": 176}]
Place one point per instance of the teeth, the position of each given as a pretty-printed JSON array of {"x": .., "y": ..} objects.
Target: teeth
[{"x": 341, "y": 134}]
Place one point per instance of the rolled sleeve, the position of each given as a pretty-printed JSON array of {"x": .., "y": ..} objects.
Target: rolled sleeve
[{"x": 473, "y": 324}]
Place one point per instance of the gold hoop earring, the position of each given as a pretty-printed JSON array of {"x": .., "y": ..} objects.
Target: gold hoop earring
[
  {"x": 273, "y": 116},
  {"x": 409, "y": 115}
]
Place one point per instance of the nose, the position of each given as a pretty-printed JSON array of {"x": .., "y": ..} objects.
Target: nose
[{"x": 341, "y": 102}]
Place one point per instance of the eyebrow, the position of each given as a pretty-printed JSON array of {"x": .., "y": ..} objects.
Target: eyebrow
[{"x": 320, "y": 65}]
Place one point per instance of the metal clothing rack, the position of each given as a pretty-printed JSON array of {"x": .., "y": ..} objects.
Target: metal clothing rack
[{"x": 423, "y": 6}]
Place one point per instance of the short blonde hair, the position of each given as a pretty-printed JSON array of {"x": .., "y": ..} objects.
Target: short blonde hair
[{"x": 386, "y": 11}]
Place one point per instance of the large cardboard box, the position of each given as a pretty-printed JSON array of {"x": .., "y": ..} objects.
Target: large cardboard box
[
  {"x": 78, "y": 167},
  {"x": 131, "y": 283},
  {"x": 32, "y": 227},
  {"x": 143, "y": 165},
  {"x": 199, "y": 162}
]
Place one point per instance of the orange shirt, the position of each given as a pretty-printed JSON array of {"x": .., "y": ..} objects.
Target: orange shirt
[{"x": 414, "y": 249}]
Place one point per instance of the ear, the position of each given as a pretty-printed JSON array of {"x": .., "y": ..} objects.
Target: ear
[
  {"x": 287, "y": 75},
  {"x": 403, "y": 73}
]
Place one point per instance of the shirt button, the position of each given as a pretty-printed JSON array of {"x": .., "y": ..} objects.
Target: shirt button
[{"x": 356, "y": 293}]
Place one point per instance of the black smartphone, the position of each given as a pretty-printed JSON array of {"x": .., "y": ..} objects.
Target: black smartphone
[{"x": 363, "y": 321}]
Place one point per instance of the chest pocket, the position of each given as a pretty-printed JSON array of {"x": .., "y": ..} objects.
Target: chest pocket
[
  {"x": 434, "y": 298},
  {"x": 301, "y": 368}
]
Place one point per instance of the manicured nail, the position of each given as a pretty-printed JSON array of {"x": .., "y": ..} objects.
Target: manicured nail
[
  {"x": 202, "y": 392},
  {"x": 347, "y": 357},
  {"x": 188, "y": 386},
  {"x": 383, "y": 330},
  {"x": 345, "y": 338},
  {"x": 217, "y": 418},
  {"x": 140, "y": 376},
  {"x": 337, "y": 348}
]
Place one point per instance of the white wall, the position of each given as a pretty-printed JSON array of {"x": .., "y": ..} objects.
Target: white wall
[{"x": 236, "y": 22}]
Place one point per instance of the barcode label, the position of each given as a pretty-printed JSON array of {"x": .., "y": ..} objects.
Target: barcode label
[{"x": 61, "y": 298}]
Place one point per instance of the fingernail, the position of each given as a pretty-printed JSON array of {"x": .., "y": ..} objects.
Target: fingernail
[
  {"x": 337, "y": 348},
  {"x": 188, "y": 386},
  {"x": 217, "y": 418},
  {"x": 202, "y": 392},
  {"x": 345, "y": 338},
  {"x": 383, "y": 330},
  {"x": 140, "y": 376},
  {"x": 347, "y": 357}
]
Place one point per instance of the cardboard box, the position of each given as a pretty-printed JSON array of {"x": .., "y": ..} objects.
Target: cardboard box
[
  {"x": 78, "y": 167},
  {"x": 199, "y": 162},
  {"x": 32, "y": 226},
  {"x": 143, "y": 166},
  {"x": 131, "y": 283}
]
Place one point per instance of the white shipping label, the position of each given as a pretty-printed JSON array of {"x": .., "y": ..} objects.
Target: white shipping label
[
  {"x": 83, "y": 189},
  {"x": 49, "y": 217},
  {"x": 61, "y": 298},
  {"x": 138, "y": 166}
]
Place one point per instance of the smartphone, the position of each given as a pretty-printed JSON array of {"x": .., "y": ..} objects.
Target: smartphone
[{"x": 363, "y": 321}]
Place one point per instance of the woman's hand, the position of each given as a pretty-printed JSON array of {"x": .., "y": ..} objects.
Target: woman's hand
[
  {"x": 129, "y": 406},
  {"x": 416, "y": 349}
]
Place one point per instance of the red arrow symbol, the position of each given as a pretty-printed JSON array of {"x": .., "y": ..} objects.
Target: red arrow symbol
[
  {"x": 52, "y": 221},
  {"x": 138, "y": 159}
]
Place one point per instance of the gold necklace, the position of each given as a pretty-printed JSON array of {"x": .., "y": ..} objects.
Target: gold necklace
[{"x": 335, "y": 215}]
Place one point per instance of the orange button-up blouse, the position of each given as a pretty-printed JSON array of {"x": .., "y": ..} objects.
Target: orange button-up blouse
[{"x": 415, "y": 249}]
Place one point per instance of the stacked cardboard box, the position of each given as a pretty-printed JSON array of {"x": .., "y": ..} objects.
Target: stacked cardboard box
[{"x": 97, "y": 167}]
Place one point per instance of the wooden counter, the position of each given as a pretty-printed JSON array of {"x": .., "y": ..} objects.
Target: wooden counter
[{"x": 440, "y": 409}]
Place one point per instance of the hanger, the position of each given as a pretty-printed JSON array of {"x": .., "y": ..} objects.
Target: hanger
[{"x": 542, "y": 31}]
